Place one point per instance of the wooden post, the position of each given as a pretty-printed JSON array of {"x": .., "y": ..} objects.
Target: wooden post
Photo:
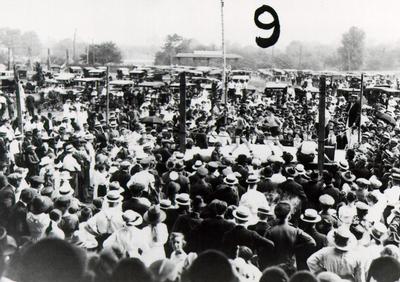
[
  {"x": 48, "y": 59},
  {"x": 182, "y": 112},
  {"x": 18, "y": 98},
  {"x": 108, "y": 96},
  {"x": 321, "y": 124},
  {"x": 9, "y": 59},
  {"x": 87, "y": 55},
  {"x": 66, "y": 57},
  {"x": 361, "y": 102}
]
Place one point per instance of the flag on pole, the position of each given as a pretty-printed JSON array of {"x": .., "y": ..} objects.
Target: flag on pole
[{"x": 21, "y": 97}]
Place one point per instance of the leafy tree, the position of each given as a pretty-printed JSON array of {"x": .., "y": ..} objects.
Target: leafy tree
[
  {"x": 39, "y": 75},
  {"x": 173, "y": 45},
  {"x": 351, "y": 53},
  {"x": 103, "y": 53}
]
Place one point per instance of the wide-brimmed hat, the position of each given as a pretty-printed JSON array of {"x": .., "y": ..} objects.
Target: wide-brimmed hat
[
  {"x": 342, "y": 238},
  {"x": 202, "y": 171},
  {"x": 183, "y": 199},
  {"x": 343, "y": 164},
  {"x": 132, "y": 218},
  {"x": 300, "y": 169},
  {"x": 165, "y": 204},
  {"x": 291, "y": 171},
  {"x": 363, "y": 182},
  {"x": 113, "y": 197},
  {"x": 242, "y": 213},
  {"x": 231, "y": 179},
  {"x": 378, "y": 230},
  {"x": 154, "y": 215},
  {"x": 115, "y": 186},
  {"x": 65, "y": 190},
  {"x": 326, "y": 200},
  {"x": 252, "y": 179},
  {"x": 197, "y": 165},
  {"x": 311, "y": 216},
  {"x": 348, "y": 176}
]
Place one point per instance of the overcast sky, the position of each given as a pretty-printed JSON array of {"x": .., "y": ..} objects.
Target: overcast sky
[{"x": 142, "y": 22}]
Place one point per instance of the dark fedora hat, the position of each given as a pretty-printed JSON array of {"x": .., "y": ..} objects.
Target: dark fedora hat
[{"x": 154, "y": 215}]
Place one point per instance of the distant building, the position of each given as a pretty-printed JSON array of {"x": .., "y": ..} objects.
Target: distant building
[{"x": 205, "y": 58}]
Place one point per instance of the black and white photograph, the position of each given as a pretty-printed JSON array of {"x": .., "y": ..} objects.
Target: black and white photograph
[{"x": 199, "y": 141}]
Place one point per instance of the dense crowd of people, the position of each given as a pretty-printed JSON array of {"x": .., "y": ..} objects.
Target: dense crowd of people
[{"x": 84, "y": 197}]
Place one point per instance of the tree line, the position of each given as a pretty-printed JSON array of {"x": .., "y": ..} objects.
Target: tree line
[{"x": 352, "y": 54}]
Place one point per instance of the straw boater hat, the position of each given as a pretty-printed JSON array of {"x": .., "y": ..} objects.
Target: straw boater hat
[
  {"x": 252, "y": 179},
  {"x": 300, "y": 169},
  {"x": 66, "y": 190},
  {"x": 154, "y": 215},
  {"x": 231, "y": 179},
  {"x": 115, "y": 186},
  {"x": 113, "y": 197},
  {"x": 197, "y": 165},
  {"x": 342, "y": 239},
  {"x": 348, "y": 176},
  {"x": 183, "y": 199},
  {"x": 242, "y": 213},
  {"x": 132, "y": 218},
  {"x": 311, "y": 216},
  {"x": 343, "y": 164},
  {"x": 378, "y": 230}
]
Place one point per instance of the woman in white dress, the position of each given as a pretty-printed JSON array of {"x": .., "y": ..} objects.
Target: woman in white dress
[{"x": 156, "y": 234}]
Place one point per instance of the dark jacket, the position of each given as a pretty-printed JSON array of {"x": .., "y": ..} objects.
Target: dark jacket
[
  {"x": 354, "y": 114},
  {"x": 240, "y": 236},
  {"x": 136, "y": 205},
  {"x": 288, "y": 239},
  {"x": 185, "y": 223},
  {"x": 209, "y": 234},
  {"x": 17, "y": 226},
  {"x": 292, "y": 188}
]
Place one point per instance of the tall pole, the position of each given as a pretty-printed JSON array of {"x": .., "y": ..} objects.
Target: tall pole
[
  {"x": 9, "y": 59},
  {"x": 87, "y": 55},
  {"x": 321, "y": 124},
  {"x": 108, "y": 96},
  {"x": 30, "y": 58},
  {"x": 66, "y": 57},
  {"x": 224, "y": 97},
  {"x": 74, "y": 48},
  {"x": 18, "y": 97},
  {"x": 48, "y": 59},
  {"x": 182, "y": 112},
  {"x": 361, "y": 103}
]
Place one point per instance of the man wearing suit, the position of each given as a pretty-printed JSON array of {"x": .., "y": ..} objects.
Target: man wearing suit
[
  {"x": 241, "y": 236},
  {"x": 287, "y": 239},
  {"x": 353, "y": 116},
  {"x": 17, "y": 226},
  {"x": 136, "y": 203},
  {"x": 264, "y": 221},
  {"x": 291, "y": 188},
  {"x": 210, "y": 232},
  {"x": 266, "y": 185},
  {"x": 122, "y": 176}
]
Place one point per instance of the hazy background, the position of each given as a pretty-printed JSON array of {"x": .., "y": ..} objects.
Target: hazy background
[{"x": 139, "y": 27}]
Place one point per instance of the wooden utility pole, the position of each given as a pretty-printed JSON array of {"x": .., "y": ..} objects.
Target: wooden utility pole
[
  {"x": 107, "y": 96},
  {"x": 30, "y": 58},
  {"x": 321, "y": 124},
  {"x": 87, "y": 55},
  {"x": 66, "y": 57},
  {"x": 224, "y": 97},
  {"x": 9, "y": 59},
  {"x": 361, "y": 103},
  {"x": 48, "y": 59},
  {"x": 182, "y": 112},
  {"x": 18, "y": 98}
]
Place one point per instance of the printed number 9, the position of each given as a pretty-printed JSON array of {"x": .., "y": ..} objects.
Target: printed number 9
[{"x": 267, "y": 42}]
